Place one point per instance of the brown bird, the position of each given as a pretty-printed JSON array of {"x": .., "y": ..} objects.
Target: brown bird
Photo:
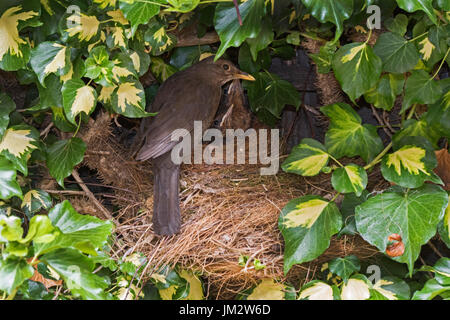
[{"x": 187, "y": 96}]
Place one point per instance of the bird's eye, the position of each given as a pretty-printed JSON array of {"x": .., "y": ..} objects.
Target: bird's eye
[{"x": 226, "y": 67}]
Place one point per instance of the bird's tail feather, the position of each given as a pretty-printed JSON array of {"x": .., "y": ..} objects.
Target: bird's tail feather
[{"x": 166, "y": 203}]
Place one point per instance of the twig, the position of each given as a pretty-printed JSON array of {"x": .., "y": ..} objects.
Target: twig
[
  {"x": 435, "y": 249},
  {"x": 380, "y": 121},
  {"x": 46, "y": 130},
  {"x": 91, "y": 196}
]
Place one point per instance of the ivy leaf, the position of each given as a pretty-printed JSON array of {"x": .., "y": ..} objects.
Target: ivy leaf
[
  {"x": 423, "y": 5},
  {"x": 160, "y": 41},
  {"x": 418, "y": 128},
  {"x": 128, "y": 99},
  {"x": 444, "y": 5},
  {"x": 398, "y": 55},
  {"x": 269, "y": 289},
  {"x": 10, "y": 228},
  {"x": 139, "y": 12},
  {"x": 40, "y": 230},
  {"x": 351, "y": 178},
  {"x": 357, "y": 68},
  {"x": 430, "y": 290},
  {"x": 63, "y": 156},
  {"x": 50, "y": 57},
  {"x": 82, "y": 27},
  {"x": 161, "y": 70},
  {"x": 35, "y": 200},
  {"x": 13, "y": 272},
  {"x": 344, "y": 267},
  {"x": 83, "y": 232},
  {"x": 316, "y": 290},
  {"x": 356, "y": 288},
  {"x": 7, "y": 105},
  {"x": 307, "y": 222},
  {"x": 390, "y": 288},
  {"x": 184, "y": 57},
  {"x": 77, "y": 271},
  {"x": 398, "y": 25},
  {"x": 306, "y": 159},
  {"x": 17, "y": 144},
  {"x": 14, "y": 50},
  {"x": 183, "y": 5},
  {"x": 348, "y": 206},
  {"x": 272, "y": 94},
  {"x": 412, "y": 214},
  {"x": 77, "y": 98},
  {"x": 324, "y": 58},
  {"x": 384, "y": 94},
  {"x": 347, "y": 136},
  {"x": 231, "y": 34},
  {"x": 444, "y": 227},
  {"x": 334, "y": 11},
  {"x": 99, "y": 67},
  {"x": 262, "y": 40},
  {"x": 441, "y": 271},
  {"x": 411, "y": 163},
  {"x": 421, "y": 88}
]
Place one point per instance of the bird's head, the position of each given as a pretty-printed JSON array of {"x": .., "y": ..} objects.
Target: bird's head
[{"x": 223, "y": 70}]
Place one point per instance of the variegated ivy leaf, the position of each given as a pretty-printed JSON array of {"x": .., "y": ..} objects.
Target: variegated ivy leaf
[
  {"x": 344, "y": 267},
  {"x": 159, "y": 40},
  {"x": 139, "y": 12},
  {"x": 99, "y": 67},
  {"x": 306, "y": 159},
  {"x": 128, "y": 99},
  {"x": 347, "y": 136},
  {"x": 268, "y": 289},
  {"x": 351, "y": 178},
  {"x": 390, "y": 288},
  {"x": 356, "y": 288},
  {"x": 17, "y": 144},
  {"x": 117, "y": 38},
  {"x": 7, "y": 105},
  {"x": 123, "y": 67},
  {"x": 117, "y": 16},
  {"x": 77, "y": 98},
  {"x": 411, "y": 163},
  {"x": 418, "y": 128},
  {"x": 140, "y": 60},
  {"x": 316, "y": 290},
  {"x": 50, "y": 57},
  {"x": 444, "y": 226},
  {"x": 105, "y": 95},
  {"x": 8, "y": 185},
  {"x": 102, "y": 4},
  {"x": 307, "y": 222},
  {"x": 161, "y": 70},
  {"x": 383, "y": 95},
  {"x": 14, "y": 50},
  {"x": 84, "y": 27},
  {"x": 414, "y": 214},
  {"x": 35, "y": 200},
  {"x": 357, "y": 68}
]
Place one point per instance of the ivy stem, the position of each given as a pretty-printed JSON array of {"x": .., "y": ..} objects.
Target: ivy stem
[
  {"x": 442, "y": 63},
  {"x": 78, "y": 127},
  {"x": 369, "y": 36},
  {"x": 335, "y": 197},
  {"x": 12, "y": 295},
  {"x": 379, "y": 157},
  {"x": 336, "y": 160},
  {"x": 420, "y": 36},
  {"x": 152, "y": 2}
]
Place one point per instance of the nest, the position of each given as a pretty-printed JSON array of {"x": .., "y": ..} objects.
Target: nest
[{"x": 227, "y": 211}]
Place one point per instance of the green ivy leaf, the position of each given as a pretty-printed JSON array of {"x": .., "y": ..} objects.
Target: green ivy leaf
[
  {"x": 307, "y": 222},
  {"x": 357, "y": 68},
  {"x": 184, "y": 57},
  {"x": 324, "y": 58},
  {"x": 272, "y": 94},
  {"x": 63, "y": 156},
  {"x": 231, "y": 34},
  {"x": 10, "y": 228},
  {"x": 7, "y": 105},
  {"x": 444, "y": 227},
  {"x": 83, "y": 232},
  {"x": 423, "y": 5},
  {"x": 183, "y": 5},
  {"x": 398, "y": 25},
  {"x": 8, "y": 184},
  {"x": 418, "y": 128},
  {"x": 77, "y": 271},
  {"x": 441, "y": 271},
  {"x": 306, "y": 159},
  {"x": 262, "y": 40},
  {"x": 351, "y": 178},
  {"x": 384, "y": 94},
  {"x": 430, "y": 290},
  {"x": 160, "y": 41},
  {"x": 50, "y": 57},
  {"x": 421, "y": 88},
  {"x": 139, "y": 12},
  {"x": 411, "y": 163},
  {"x": 398, "y": 55},
  {"x": 413, "y": 214},
  {"x": 161, "y": 70},
  {"x": 444, "y": 5},
  {"x": 78, "y": 98},
  {"x": 13, "y": 272},
  {"x": 348, "y": 206},
  {"x": 40, "y": 230},
  {"x": 344, "y": 267},
  {"x": 334, "y": 11},
  {"x": 347, "y": 136}
]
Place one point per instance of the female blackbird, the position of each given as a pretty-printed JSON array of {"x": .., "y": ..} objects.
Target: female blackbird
[{"x": 187, "y": 96}]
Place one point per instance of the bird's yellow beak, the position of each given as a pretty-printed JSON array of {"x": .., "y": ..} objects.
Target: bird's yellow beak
[{"x": 244, "y": 76}]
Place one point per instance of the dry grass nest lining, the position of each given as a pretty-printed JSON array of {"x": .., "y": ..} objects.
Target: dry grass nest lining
[{"x": 227, "y": 211}]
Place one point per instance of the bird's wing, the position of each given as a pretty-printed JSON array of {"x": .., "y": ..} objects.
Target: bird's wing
[{"x": 179, "y": 103}]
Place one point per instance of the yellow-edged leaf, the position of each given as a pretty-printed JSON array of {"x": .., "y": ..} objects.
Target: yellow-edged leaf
[
  {"x": 28, "y": 197},
  {"x": 106, "y": 94},
  {"x": 195, "y": 285},
  {"x": 87, "y": 27},
  {"x": 353, "y": 175},
  {"x": 17, "y": 142},
  {"x": 136, "y": 61},
  {"x": 388, "y": 294},
  {"x": 268, "y": 289},
  {"x": 127, "y": 93},
  {"x": 119, "y": 37},
  {"x": 59, "y": 61},
  {"x": 353, "y": 52},
  {"x": 117, "y": 16},
  {"x": 9, "y": 33},
  {"x": 408, "y": 157},
  {"x": 104, "y": 3},
  {"x": 305, "y": 214},
  {"x": 427, "y": 48},
  {"x": 84, "y": 100},
  {"x": 318, "y": 291}
]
